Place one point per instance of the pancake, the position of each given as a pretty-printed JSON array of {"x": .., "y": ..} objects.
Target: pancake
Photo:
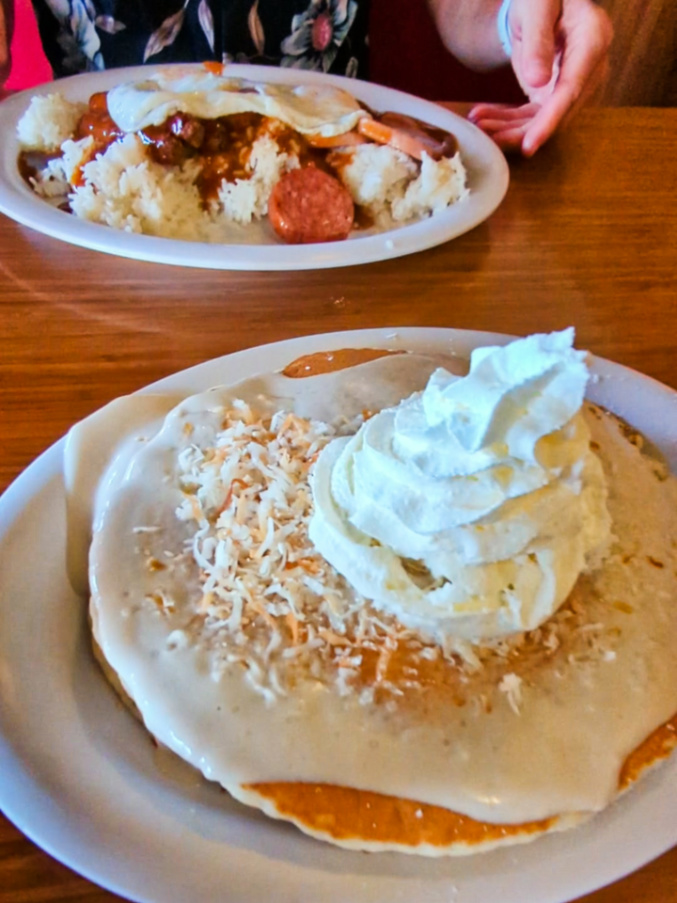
[{"x": 381, "y": 740}]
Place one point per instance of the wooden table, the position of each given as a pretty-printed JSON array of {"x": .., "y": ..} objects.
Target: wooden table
[{"x": 586, "y": 236}]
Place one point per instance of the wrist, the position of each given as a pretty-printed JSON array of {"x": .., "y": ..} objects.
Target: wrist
[{"x": 503, "y": 27}]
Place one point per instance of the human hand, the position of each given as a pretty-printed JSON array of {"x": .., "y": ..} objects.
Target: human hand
[{"x": 560, "y": 58}]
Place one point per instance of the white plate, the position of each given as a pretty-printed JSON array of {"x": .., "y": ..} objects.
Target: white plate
[
  {"x": 487, "y": 170},
  {"x": 79, "y": 775}
]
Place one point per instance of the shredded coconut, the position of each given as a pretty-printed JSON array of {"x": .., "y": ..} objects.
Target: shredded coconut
[
  {"x": 511, "y": 685},
  {"x": 264, "y": 600}
]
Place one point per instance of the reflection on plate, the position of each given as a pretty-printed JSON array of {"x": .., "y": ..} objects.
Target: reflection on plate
[
  {"x": 80, "y": 776},
  {"x": 487, "y": 179}
]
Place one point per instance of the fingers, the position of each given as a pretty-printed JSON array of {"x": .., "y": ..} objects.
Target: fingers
[
  {"x": 576, "y": 83},
  {"x": 586, "y": 34},
  {"x": 567, "y": 53},
  {"x": 527, "y": 127},
  {"x": 482, "y": 113},
  {"x": 507, "y": 126},
  {"x": 495, "y": 119},
  {"x": 510, "y": 139},
  {"x": 535, "y": 32}
]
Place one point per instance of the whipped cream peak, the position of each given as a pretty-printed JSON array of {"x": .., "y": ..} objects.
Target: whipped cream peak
[
  {"x": 512, "y": 397},
  {"x": 470, "y": 509}
]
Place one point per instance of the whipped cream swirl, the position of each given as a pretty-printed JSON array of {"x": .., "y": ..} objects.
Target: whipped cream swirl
[{"x": 470, "y": 509}]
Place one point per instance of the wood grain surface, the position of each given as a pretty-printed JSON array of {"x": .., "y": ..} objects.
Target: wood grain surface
[{"x": 586, "y": 236}]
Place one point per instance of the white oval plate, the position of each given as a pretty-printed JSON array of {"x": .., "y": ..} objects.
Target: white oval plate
[
  {"x": 486, "y": 165},
  {"x": 80, "y": 776}
]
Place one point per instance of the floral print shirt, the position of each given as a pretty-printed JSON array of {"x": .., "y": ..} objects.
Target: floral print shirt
[{"x": 85, "y": 35}]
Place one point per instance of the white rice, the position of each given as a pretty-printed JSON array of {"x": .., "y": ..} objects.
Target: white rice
[
  {"x": 439, "y": 184},
  {"x": 376, "y": 177},
  {"x": 48, "y": 122},
  {"x": 247, "y": 199},
  {"x": 55, "y": 180},
  {"x": 126, "y": 189}
]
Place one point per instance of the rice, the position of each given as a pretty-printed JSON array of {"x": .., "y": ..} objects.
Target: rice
[
  {"x": 439, "y": 184},
  {"x": 247, "y": 199},
  {"x": 125, "y": 188},
  {"x": 376, "y": 176},
  {"x": 48, "y": 122},
  {"x": 54, "y": 181}
]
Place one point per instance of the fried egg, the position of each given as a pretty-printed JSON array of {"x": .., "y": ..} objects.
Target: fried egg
[{"x": 322, "y": 110}]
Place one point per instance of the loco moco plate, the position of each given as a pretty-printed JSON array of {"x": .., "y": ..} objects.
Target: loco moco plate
[{"x": 256, "y": 247}]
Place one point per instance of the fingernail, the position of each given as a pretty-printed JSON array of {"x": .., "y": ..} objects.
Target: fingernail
[{"x": 538, "y": 73}]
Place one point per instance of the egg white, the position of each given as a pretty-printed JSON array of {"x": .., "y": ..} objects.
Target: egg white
[{"x": 310, "y": 109}]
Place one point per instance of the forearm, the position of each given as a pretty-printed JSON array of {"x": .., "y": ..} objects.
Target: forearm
[
  {"x": 468, "y": 30},
  {"x": 6, "y": 28}
]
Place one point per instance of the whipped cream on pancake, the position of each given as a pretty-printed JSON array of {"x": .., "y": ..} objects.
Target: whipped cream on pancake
[{"x": 470, "y": 509}]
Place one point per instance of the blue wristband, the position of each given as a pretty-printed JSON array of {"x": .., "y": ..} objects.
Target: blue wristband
[{"x": 504, "y": 27}]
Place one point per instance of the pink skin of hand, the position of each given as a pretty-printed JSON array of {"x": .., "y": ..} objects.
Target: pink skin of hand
[{"x": 560, "y": 58}]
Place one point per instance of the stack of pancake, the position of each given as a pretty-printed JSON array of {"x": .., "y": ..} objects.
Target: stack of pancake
[{"x": 244, "y": 652}]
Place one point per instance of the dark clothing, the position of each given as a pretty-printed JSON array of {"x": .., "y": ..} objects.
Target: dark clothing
[{"x": 86, "y": 35}]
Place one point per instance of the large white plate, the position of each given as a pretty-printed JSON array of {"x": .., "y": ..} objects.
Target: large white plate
[
  {"x": 488, "y": 182},
  {"x": 80, "y": 776}
]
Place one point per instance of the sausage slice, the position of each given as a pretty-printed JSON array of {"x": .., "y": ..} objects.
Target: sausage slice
[{"x": 309, "y": 205}]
